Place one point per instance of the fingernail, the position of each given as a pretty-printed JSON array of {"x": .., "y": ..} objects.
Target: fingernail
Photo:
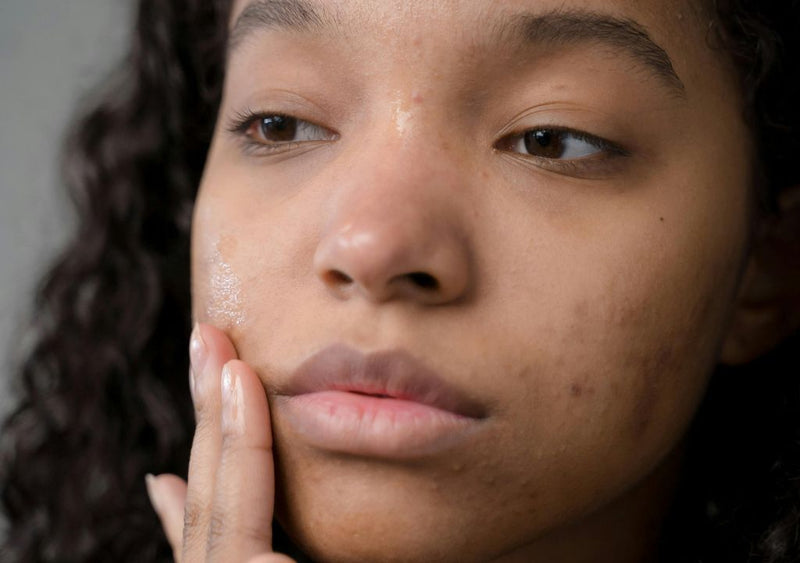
[
  {"x": 232, "y": 402},
  {"x": 150, "y": 484},
  {"x": 198, "y": 354}
]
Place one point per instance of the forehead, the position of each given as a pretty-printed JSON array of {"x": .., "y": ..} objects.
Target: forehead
[
  {"x": 662, "y": 16},
  {"x": 654, "y": 33}
]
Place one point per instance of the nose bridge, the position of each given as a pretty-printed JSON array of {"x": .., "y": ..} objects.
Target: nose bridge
[
  {"x": 392, "y": 228},
  {"x": 394, "y": 182}
]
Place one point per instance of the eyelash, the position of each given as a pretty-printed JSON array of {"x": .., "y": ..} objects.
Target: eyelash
[{"x": 242, "y": 122}]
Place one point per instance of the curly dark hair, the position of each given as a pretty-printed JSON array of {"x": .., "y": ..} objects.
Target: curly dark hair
[{"x": 103, "y": 392}]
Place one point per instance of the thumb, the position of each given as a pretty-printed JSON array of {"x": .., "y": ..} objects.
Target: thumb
[{"x": 168, "y": 496}]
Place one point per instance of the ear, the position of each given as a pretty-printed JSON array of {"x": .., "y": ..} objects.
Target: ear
[{"x": 768, "y": 302}]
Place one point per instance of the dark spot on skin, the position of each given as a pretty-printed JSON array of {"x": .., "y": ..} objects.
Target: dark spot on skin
[
  {"x": 524, "y": 372},
  {"x": 582, "y": 310},
  {"x": 661, "y": 219},
  {"x": 576, "y": 389}
]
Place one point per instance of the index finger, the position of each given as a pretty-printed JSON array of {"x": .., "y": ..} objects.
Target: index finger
[{"x": 241, "y": 520}]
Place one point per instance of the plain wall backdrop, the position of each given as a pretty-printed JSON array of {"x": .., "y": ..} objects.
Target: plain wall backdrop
[{"x": 51, "y": 54}]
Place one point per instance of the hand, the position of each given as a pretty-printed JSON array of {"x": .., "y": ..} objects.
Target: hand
[{"x": 225, "y": 511}]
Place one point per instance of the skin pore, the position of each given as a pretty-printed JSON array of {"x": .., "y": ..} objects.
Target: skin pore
[{"x": 368, "y": 185}]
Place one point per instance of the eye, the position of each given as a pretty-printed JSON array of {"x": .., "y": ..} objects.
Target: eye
[
  {"x": 557, "y": 144},
  {"x": 278, "y": 131}
]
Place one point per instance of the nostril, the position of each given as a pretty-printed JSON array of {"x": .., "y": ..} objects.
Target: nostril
[
  {"x": 335, "y": 277},
  {"x": 423, "y": 280}
]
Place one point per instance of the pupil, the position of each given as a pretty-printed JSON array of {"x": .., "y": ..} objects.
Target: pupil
[
  {"x": 543, "y": 143},
  {"x": 543, "y": 138},
  {"x": 279, "y": 128}
]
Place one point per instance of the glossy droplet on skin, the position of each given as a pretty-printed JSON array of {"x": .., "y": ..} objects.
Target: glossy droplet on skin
[
  {"x": 402, "y": 117},
  {"x": 225, "y": 304}
]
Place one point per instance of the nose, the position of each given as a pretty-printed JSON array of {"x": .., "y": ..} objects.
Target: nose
[{"x": 393, "y": 233}]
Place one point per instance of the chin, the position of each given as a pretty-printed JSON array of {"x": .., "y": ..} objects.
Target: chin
[{"x": 337, "y": 513}]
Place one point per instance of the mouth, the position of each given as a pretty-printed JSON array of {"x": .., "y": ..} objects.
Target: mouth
[{"x": 385, "y": 404}]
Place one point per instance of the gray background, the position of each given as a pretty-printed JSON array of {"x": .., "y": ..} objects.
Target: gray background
[{"x": 51, "y": 54}]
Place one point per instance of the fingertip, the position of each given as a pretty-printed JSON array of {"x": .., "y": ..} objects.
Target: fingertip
[
  {"x": 167, "y": 493},
  {"x": 168, "y": 496},
  {"x": 153, "y": 492},
  {"x": 209, "y": 350},
  {"x": 250, "y": 382},
  {"x": 217, "y": 341}
]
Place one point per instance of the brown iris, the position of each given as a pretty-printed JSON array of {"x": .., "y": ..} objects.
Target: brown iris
[
  {"x": 544, "y": 143},
  {"x": 278, "y": 128}
]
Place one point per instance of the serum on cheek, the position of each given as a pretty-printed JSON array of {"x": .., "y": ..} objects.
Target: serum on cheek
[{"x": 225, "y": 302}]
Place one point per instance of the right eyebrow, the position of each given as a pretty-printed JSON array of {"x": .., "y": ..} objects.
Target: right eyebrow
[{"x": 275, "y": 14}]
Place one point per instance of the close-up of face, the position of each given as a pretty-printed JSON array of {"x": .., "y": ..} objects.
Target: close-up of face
[{"x": 483, "y": 257}]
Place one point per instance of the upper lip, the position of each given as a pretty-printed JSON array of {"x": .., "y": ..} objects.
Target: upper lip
[{"x": 392, "y": 374}]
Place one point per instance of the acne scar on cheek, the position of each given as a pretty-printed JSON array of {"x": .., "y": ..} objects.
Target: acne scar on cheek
[{"x": 226, "y": 303}]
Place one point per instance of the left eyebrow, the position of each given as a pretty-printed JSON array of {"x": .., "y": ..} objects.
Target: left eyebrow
[{"x": 565, "y": 28}]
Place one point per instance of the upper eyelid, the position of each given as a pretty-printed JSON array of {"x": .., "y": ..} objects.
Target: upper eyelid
[{"x": 240, "y": 120}]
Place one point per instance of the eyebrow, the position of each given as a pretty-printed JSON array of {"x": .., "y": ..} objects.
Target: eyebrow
[
  {"x": 557, "y": 28},
  {"x": 565, "y": 28},
  {"x": 297, "y": 15}
]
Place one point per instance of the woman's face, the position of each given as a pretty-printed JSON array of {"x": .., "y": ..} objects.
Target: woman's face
[{"x": 521, "y": 220}]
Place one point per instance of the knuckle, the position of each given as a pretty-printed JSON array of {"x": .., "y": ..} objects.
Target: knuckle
[
  {"x": 255, "y": 535},
  {"x": 231, "y": 443},
  {"x": 216, "y": 530},
  {"x": 193, "y": 530},
  {"x": 236, "y": 445},
  {"x": 202, "y": 407},
  {"x": 222, "y": 529},
  {"x": 205, "y": 424},
  {"x": 192, "y": 517}
]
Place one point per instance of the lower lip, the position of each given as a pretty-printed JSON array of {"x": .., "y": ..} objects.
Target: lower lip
[{"x": 369, "y": 426}]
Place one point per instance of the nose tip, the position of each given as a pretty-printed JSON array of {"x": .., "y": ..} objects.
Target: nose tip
[{"x": 383, "y": 263}]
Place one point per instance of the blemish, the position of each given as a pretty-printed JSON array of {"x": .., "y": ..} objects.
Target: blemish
[{"x": 576, "y": 389}]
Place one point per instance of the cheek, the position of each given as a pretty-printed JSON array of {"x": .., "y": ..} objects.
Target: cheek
[
  {"x": 610, "y": 348},
  {"x": 250, "y": 264},
  {"x": 219, "y": 293}
]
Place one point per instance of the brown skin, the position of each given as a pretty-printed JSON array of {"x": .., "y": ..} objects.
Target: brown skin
[{"x": 585, "y": 306}]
